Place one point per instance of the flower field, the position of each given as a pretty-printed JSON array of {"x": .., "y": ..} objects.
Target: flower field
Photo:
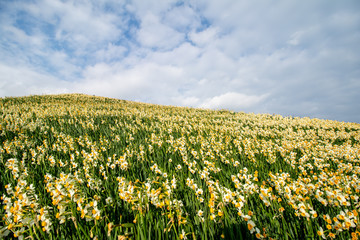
[{"x": 84, "y": 167}]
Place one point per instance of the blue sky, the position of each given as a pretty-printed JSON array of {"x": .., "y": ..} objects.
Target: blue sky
[{"x": 294, "y": 58}]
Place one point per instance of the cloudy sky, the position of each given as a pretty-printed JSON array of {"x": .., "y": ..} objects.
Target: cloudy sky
[{"x": 298, "y": 58}]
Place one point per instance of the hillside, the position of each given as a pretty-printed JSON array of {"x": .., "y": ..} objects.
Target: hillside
[{"x": 89, "y": 167}]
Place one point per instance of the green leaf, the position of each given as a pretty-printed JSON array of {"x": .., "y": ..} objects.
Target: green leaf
[{"x": 128, "y": 225}]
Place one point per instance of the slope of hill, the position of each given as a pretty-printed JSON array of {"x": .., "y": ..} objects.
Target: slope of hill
[{"x": 90, "y": 167}]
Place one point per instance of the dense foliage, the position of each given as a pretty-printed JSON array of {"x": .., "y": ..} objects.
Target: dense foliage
[{"x": 84, "y": 167}]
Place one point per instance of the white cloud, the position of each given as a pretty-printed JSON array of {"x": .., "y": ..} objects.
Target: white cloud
[
  {"x": 141, "y": 8},
  {"x": 144, "y": 82},
  {"x": 187, "y": 101},
  {"x": 182, "y": 18},
  {"x": 20, "y": 37},
  {"x": 110, "y": 53},
  {"x": 183, "y": 55},
  {"x": 205, "y": 37},
  {"x": 295, "y": 38},
  {"x": 81, "y": 24},
  {"x": 155, "y": 34},
  {"x": 34, "y": 52},
  {"x": 21, "y": 81},
  {"x": 232, "y": 100}
]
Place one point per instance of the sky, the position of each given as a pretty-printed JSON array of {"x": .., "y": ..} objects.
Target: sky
[{"x": 294, "y": 58}]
